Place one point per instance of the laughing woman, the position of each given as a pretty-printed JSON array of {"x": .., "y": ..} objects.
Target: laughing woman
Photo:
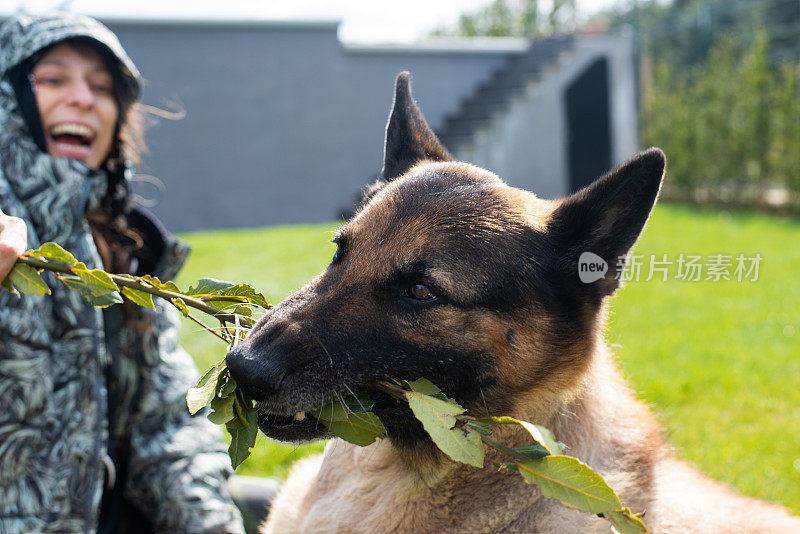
[{"x": 94, "y": 430}]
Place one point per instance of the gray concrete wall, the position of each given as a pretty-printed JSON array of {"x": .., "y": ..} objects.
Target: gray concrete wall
[
  {"x": 527, "y": 144},
  {"x": 283, "y": 124}
]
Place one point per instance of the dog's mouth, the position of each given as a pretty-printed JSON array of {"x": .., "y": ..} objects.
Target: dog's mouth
[
  {"x": 303, "y": 425},
  {"x": 299, "y": 427}
]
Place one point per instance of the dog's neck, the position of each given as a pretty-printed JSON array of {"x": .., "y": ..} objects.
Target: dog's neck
[{"x": 590, "y": 421}]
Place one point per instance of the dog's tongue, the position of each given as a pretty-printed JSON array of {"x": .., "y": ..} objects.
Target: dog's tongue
[{"x": 70, "y": 139}]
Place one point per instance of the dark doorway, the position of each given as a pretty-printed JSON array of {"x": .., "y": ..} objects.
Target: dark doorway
[{"x": 589, "y": 125}]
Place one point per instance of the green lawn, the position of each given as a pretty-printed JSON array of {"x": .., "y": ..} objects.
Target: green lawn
[{"x": 718, "y": 361}]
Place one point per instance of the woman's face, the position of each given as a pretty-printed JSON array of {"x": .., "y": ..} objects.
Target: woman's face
[{"x": 75, "y": 96}]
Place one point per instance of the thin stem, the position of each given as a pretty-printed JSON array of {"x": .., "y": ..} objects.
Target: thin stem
[
  {"x": 224, "y": 298},
  {"x": 140, "y": 285},
  {"x": 508, "y": 451},
  {"x": 391, "y": 389},
  {"x": 201, "y": 323}
]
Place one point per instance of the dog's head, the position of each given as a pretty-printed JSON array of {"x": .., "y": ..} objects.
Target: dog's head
[{"x": 448, "y": 274}]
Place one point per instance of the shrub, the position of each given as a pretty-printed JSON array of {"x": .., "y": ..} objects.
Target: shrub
[{"x": 731, "y": 127}]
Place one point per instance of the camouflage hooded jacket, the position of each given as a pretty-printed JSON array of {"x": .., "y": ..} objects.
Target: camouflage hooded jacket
[{"x": 74, "y": 379}]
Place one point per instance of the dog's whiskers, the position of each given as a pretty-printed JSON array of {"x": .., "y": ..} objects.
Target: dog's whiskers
[
  {"x": 485, "y": 406},
  {"x": 355, "y": 397}
]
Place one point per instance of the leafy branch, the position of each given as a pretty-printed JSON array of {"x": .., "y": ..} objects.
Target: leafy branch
[
  {"x": 458, "y": 435},
  {"x": 102, "y": 289}
]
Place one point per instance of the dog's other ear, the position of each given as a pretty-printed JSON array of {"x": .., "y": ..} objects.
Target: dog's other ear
[
  {"x": 409, "y": 139},
  {"x": 605, "y": 219}
]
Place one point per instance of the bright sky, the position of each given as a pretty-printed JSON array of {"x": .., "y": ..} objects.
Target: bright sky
[{"x": 363, "y": 21}]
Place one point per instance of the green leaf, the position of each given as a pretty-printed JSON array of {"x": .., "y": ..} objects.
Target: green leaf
[
  {"x": 532, "y": 452},
  {"x": 625, "y": 522},
  {"x": 94, "y": 285},
  {"x": 27, "y": 280},
  {"x": 424, "y": 386},
  {"x": 542, "y": 435},
  {"x": 504, "y": 420},
  {"x": 343, "y": 410},
  {"x": 481, "y": 428},
  {"x": 223, "y": 410},
  {"x": 333, "y": 411},
  {"x": 201, "y": 395},
  {"x": 101, "y": 301},
  {"x": 228, "y": 388},
  {"x": 6, "y": 284},
  {"x": 181, "y": 305},
  {"x": 571, "y": 482},
  {"x": 243, "y": 309},
  {"x": 358, "y": 403},
  {"x": 96, "y": 281},
  {"x": 139, "y": 297},
  {"x": 242, "y": 440},
  {"x": 207, "y": 286},
  {"x": 53, "y": 251},
  {"x": 242, "y": 406},
  {"x": 158, "y": 284},
  {"x": 360, "y": 428},
  {"x": 438, "y": 419},
  {"x": 351, "y": 419},
  {"x": 104, "y": 301}
]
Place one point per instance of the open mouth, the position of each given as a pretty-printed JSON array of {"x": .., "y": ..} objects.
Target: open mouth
[
  {"x": 71, "y": 140},
  {"x": 304, "y": 426},
  {"x": 299, "y": 427}
]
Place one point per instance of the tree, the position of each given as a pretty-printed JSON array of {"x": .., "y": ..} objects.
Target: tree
[{"x": 515, "y": 18}]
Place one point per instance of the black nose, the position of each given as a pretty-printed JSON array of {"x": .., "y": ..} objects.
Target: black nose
[{"x": 256, "y": 375}]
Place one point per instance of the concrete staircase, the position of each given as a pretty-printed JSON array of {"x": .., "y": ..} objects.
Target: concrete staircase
[{"x": 495, "y": 94}]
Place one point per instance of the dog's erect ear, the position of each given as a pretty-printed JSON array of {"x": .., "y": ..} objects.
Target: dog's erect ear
[
  {"x": 604, "y": 219},
  {"x": 409, "y": 139}
]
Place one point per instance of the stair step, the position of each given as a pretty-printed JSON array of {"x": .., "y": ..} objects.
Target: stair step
[{"x": 494, "y": 95}]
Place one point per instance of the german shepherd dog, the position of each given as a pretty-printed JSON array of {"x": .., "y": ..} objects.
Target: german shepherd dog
[{"x": 447, "y": 273}]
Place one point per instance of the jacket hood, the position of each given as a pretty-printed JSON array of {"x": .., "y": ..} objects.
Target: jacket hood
[{"x": 23, "y": 35}]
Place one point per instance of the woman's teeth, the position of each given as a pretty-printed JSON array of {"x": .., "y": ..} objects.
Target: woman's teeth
[{"x": 71, "y": 128}]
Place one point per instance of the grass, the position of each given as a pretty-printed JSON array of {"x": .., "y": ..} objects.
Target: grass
[{"x": 719, "y": 362}]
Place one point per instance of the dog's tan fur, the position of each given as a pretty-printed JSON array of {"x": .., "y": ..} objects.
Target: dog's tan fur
[{"x": 566, "y": 382}]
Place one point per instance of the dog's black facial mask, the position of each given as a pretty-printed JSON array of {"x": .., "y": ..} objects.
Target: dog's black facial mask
[{"x": 507, "y": 314}]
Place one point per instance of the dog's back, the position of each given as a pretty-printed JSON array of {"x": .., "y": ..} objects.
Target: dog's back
[{"x": 448, "y": 273}]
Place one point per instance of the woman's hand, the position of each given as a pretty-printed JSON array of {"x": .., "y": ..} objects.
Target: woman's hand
[{"x": 13, "y": 242}]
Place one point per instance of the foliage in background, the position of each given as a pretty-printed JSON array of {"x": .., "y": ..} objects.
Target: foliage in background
[
  {"x": 719, "y": 93},
  {"x": 515, "y": 18},
  {"x": 730, "y": 127},
  {"x": 681, "y": 33}
]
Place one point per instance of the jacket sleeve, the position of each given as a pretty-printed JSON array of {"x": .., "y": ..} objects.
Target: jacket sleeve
[{"x": 179, "y": 465}]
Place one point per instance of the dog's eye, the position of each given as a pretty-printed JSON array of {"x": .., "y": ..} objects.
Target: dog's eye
[
  {"x": 336, "y": 255},
  {"x": 420, "y": 292}
]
